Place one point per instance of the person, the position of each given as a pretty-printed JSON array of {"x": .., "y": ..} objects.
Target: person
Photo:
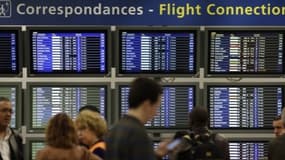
[
  {"x": 277, "y": 126},
  {"x": 276, "y": 146},
  {"x": 89, "y": 107},
  {"x": 62, "y": 141},
  {"x": 91, "y": 128},
  {"x": 128, "y": 139},
  {"x": 198, "y": 122},
  {"x": 11, "y": 147}
]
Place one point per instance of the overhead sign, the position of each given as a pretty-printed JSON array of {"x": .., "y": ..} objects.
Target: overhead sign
[{"x": 142, "y": 12}]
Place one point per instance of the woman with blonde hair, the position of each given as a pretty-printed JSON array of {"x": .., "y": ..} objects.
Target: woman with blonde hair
[
  {"x": 91, "y": 128},
  {"x": 62, "y": 141}
]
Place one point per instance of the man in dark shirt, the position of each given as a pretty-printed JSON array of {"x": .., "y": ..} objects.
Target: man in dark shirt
[
  {"x": 198, "y": 124},
  {"x": 128, "y": 139},
  {"x": 276, "y": 146}
]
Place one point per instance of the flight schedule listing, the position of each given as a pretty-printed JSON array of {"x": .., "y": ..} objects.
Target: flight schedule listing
[
  {"x": 244, "y": 107},
  {"x": 176, "y": 103},
  {"x": 246, "y": 52},
  {"x": 248, "y": 150},
  {"x": 48, "y": 101},
  {"x": 8, "y": 52},
  {"x": 157, "y": 52},
  {"x": 35, "y": 147},
  {"x": 68, "y": 52}
]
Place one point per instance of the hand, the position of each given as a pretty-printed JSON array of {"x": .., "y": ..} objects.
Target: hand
[{"x": 162, "y": 150}]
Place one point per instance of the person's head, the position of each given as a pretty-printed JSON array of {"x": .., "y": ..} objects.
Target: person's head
[
  {"x": 60, "y": 132},
  {"x": 90, "y": 127},
  {"x": 5, "y": 112},
  {"x": 89, "y": 107},
  {"x": 145, "y": 94},
  {"x": 277, "y": 126},
  {"x": 198, "y": 117}
]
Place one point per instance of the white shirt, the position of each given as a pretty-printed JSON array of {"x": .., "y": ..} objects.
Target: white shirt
[{"x": 4, "y": 145}]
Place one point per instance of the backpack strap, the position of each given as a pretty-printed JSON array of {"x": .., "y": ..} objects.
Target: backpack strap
[
  {"x": 101, "y": 144},
  {"x": 213, "y": 136}
]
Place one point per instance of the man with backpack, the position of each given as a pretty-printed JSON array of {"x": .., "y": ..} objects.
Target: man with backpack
[{"x": 200, "y": 143}]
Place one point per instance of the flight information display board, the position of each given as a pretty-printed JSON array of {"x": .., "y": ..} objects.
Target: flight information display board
[
  {"x": 11, "y": 93},
  {"x": 9, "y": 52},
  {"x": 66, "y": 52},
  {"x": 35, "y": 146},
  {"x": 47, "y": 101},
  {"x": 176, "y": 103},
  {"x": 248, "y": 150},
  {"x": 157, "y": 51},
  {"x": 244, "y": 106},
  {"x": 246, "y": 52}
]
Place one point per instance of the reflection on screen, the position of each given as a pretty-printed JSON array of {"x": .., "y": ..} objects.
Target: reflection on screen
[
  {"x": 48, "y": 101},
  {"x": 176, "y": 103},
  {"x": 244, "y": 107}
]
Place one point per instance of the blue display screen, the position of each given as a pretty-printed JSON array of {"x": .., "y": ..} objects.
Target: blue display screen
[
  {"x": 9, "y": 52},
  {"x": 69, "y": 52},
  {"x": 47, "y": 101},
  {"x": 176, "y": 103},
  {"x": 163, "y": 52},
  {"x": 246, "y": 52},
  {"x": 248, "y": 150},
  {"x": 244, "y": 107}
]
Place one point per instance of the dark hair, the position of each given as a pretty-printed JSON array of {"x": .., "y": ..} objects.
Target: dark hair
[
  {"x": 198, "y": 117},
  {"x": 277, "y": 118},
  {"x": 143, "y": 89},
  {"x": 90, "y": 108},
  {"x": 4, "y": 99},
  {"x": 60, "y": 132}
]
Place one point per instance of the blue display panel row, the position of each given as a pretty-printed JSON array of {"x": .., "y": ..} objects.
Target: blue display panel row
[
  {"x": 144, "y": 50},
  {"x": 230, "y": 106}
]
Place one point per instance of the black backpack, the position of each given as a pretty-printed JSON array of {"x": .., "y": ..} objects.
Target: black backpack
[{"x": 199, "y": 147}]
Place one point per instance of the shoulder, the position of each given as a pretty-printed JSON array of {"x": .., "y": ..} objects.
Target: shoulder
[
  {"x": 15, "y": 132},
  {"x": 128, "y": 124},
  {"x": 15, "y": 136},
  {"x": 219, "y": 137},
  {"x": 277, "y": 141},
  {"x": 42, "y": 153},
  {"x": 85, "y": 154}
]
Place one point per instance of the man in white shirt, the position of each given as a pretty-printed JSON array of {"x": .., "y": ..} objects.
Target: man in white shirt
[{"x": 10, "y": 142}]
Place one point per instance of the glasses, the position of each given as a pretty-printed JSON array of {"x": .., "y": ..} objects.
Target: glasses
[{"x": 5, "y": 110}]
